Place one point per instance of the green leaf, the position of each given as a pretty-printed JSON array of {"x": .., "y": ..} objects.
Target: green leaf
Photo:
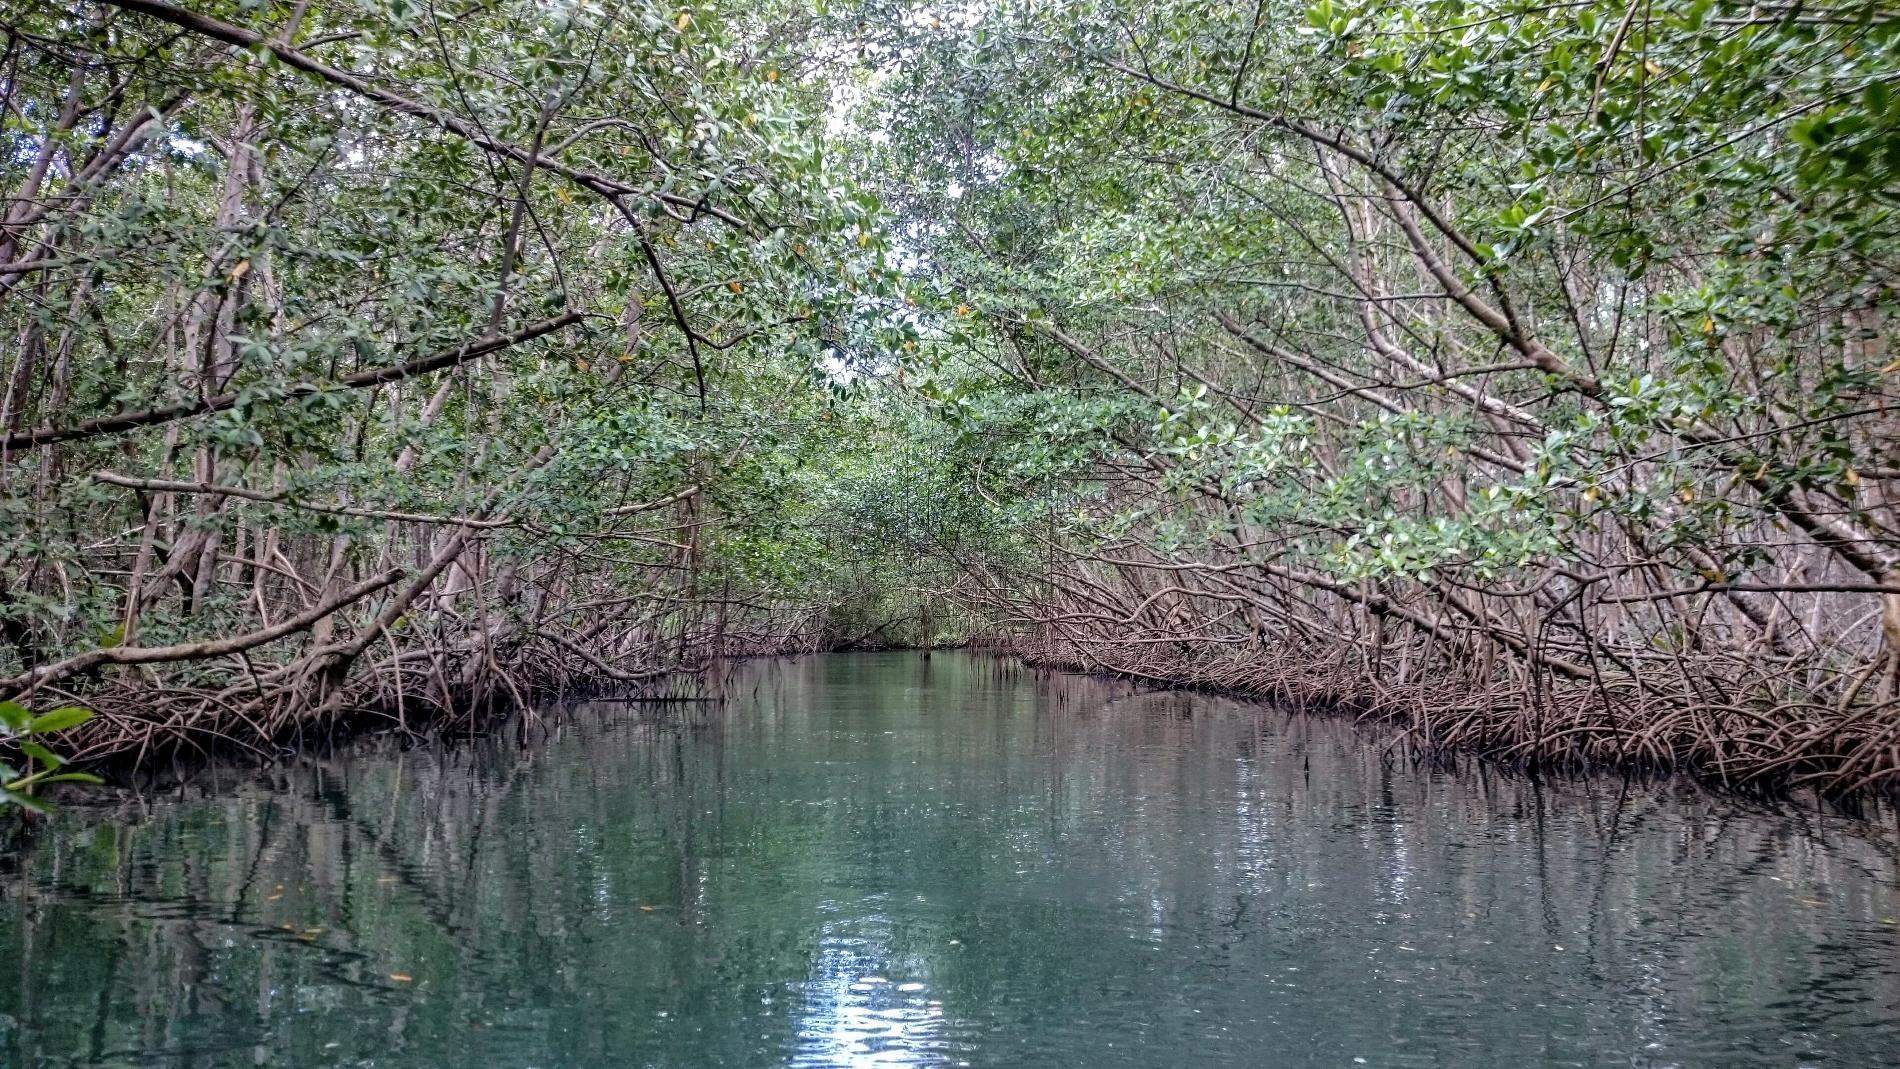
[
  {"x": 25, "y": 801},
  {"x": 75, "y": 777},
  {"x": 59, "y": 720},
  {"x": 1811, "y": 132},
  {"x": 15, "y": 716},
  {"x": 41, "y": 754}
]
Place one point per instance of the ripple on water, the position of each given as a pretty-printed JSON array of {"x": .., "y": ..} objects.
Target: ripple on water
[{"x": 874, "y": 860}]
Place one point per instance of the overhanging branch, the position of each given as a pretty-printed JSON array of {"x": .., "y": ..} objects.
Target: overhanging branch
[{"x": 125, "y": 421}]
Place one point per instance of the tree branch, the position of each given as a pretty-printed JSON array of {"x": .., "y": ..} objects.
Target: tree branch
[
  {"x": 206, "y": 26},
  {"x": 125, "y": 421},
  {"x": 282, "y": 497},
  {"x": 191, "y": 651}
]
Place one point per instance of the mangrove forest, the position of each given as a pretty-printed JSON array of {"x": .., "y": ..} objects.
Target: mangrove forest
[{"x": 885, "y": 532}]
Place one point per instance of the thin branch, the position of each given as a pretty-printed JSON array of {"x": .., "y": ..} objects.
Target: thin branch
[
  {"x": 218, "y": 30},
  {"x": 282, "y": 497},
  {"x": 126, "y": 421}
]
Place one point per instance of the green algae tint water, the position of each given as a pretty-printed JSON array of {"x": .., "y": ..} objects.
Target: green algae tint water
[{"x": 882, "y": 860}]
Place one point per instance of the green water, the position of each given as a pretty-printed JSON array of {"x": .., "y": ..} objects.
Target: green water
[{"x": 873, "y": 860}]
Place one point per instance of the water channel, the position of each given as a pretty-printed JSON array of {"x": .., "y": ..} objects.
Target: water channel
[{"x": 887, "y": 860}]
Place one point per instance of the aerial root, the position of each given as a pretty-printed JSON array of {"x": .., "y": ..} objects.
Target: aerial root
[{"x": 1767, "y": 737}]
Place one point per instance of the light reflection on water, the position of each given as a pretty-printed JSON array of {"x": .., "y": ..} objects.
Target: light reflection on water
[
  {"x": 878, "y": 861},
  {"x": 854, "y": 1013}
]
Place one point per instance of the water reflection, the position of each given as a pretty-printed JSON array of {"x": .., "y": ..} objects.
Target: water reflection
[
  {"x": 855, "y": 1014},
  {"x": 869, "y": 861}
]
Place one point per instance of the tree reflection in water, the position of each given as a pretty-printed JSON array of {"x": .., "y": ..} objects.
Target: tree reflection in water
[{"x": 1080, "y": 873}]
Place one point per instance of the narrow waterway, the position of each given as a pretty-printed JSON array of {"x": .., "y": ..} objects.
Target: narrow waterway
[{"x": 881, "y": 860}]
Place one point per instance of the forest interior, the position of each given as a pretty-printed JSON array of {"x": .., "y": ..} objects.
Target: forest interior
[{"x": 1515, "y": 373}]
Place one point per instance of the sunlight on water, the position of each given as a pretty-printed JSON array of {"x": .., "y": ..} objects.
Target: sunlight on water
[{"x": 853, "y": 1016}]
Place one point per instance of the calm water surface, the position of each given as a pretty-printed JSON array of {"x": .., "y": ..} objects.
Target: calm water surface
[{"x": 876, "y": 860}]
